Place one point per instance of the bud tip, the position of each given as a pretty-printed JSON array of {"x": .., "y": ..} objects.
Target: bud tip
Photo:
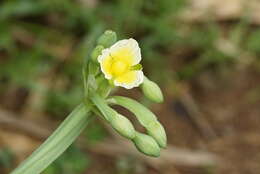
[
  {"x": 152, "y": 91},
  {"x": 146, "y": 144}
]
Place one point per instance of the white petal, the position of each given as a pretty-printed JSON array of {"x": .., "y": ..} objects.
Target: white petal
[
  {"x": 101, "y": 59},
  {"x": 130, "y": 44},
  {"x": 138, "y": 80}
]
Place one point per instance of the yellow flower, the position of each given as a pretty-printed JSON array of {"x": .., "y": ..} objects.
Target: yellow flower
[{"x": 119, "y": 63}]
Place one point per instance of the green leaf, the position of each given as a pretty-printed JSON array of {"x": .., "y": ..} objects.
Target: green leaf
[{"x": 57, "y": 143}]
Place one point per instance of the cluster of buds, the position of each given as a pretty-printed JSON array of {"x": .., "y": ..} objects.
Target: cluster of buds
[{"x": 117, "y": 64}]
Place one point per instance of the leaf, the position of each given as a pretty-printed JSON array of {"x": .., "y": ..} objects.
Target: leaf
[{"x": 57, "y": 143}]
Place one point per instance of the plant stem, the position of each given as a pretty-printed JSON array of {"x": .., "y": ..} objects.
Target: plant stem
[{"x": 57, "y": 143}]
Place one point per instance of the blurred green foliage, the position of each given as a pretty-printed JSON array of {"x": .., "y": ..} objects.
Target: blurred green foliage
[
  {"x": 73, "y": 161},
  {"x": 95, "y": 133},
  {"x": 253, "y": 43},
  {"x": 6, "y": 158}
]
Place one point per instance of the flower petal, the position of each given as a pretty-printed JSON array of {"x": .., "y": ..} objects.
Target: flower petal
[
  {"x": 130, "y": 79},
  {"x": 126, "y": 50},
  {"x": 106, "y": 61}
]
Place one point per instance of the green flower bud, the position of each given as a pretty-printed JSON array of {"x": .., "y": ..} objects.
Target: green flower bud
[
  {"x": 123, "y": 126},
  {"x": 143, "y": 114},
  {"x": 156, "y": 130},
  {"x": 146, "y": 144},
  {"x": 152, "y": 91},
  {"x": 107, "y": 39},
  {"x": 96, "y": 52}
]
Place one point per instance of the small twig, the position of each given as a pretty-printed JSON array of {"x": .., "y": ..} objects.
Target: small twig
[
  {"x": 171, "y": 155},
  {"x": 9, "y": 121},
  {"x": 196, "y": 116}
]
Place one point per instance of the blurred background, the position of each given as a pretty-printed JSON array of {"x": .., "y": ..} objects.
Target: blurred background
[{"x": 205, "y": 54}]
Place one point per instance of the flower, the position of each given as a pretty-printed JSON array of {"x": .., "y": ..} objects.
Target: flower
[{"x": 120, "y": 63}]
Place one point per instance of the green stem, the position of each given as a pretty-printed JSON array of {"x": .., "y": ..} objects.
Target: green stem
[
  {"x": 143, "y": 114},
  {"x": 57, "y": 143},
  {"x": 102, "y": 106}
]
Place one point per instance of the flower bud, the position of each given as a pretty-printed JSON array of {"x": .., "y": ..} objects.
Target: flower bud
[
  {"x": 146, "y": 144},
  {"x": 156, "y": 130},
  {"x": 123, "y": 126},
  {"x": 152, "y": 91},
  {"x": 107, "y": 39},
  {"x": 96, "y": 52}
]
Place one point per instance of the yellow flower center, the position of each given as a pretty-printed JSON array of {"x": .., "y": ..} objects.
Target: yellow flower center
[{"x": 119, "y": 67}]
